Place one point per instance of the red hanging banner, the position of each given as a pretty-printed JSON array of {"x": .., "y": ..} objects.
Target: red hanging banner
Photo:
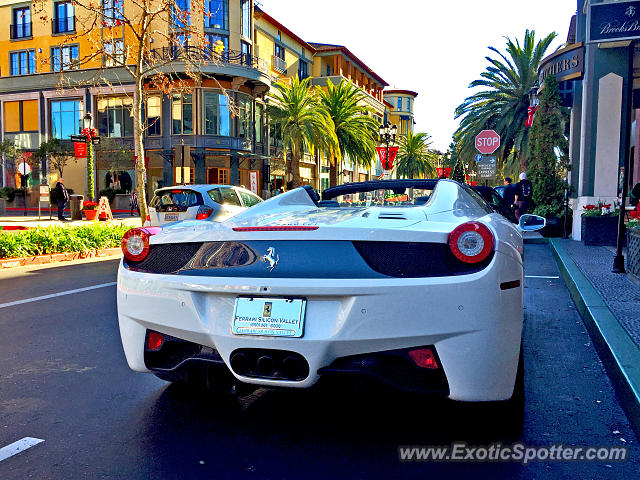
[
  {"x": 443, "y": 171},
  {"x": 80, "y": 149},
  {"x": 382, "y": 154}
]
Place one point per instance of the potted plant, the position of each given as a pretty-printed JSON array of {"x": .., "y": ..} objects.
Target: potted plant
[
  {"x": 90, "y": 210},
  {"x": 633, "y": 243},
  {"x": 599, "y": 224}
]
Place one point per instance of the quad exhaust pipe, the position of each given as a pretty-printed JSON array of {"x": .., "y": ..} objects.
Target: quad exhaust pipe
[{"x": 269, "y": 364}]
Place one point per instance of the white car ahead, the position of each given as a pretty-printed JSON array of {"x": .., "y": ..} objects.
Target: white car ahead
[
  {"x": 414, "y": 284},
  {"x": 198, "y": 202}
]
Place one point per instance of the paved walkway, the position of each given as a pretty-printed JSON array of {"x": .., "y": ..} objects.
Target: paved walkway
[
  {"x": 30, "y": 221},
  {"x": 621, "y": 295}
]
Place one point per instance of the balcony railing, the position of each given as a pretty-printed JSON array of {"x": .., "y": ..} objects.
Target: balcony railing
[
  {"x": 63, "y": 25},
  {"x": 20, "y": 30},
  {"x": 278, "y": 64},
  {"x": 201, "y": 54}
]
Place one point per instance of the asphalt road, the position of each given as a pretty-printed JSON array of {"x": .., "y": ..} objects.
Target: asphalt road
[{"x": 64, "y": 379}]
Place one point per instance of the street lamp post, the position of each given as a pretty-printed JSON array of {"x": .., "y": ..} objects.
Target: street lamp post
[
  {"x": 89, "y": 133},
  {"x": 388, "y": 134}
]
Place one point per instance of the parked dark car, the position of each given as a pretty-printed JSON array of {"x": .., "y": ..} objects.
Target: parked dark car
[{"x": 495, "y": 200}]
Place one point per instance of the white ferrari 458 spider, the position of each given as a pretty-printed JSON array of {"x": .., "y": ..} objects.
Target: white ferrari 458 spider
[{"x": 411, "y": 284}]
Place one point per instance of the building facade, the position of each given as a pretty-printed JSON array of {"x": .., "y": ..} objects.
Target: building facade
[
  {"x": 599, "y": 68},
  {"x": 61, "y": 60},
  {"x": 401, "y": 104}
]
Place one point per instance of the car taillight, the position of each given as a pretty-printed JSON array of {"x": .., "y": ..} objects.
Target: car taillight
[
  {"x": 276, "y": 228},
  {"x": 204, "y": 212},
  {"x": 424, "y": 358},
  {"x": 154, "y": 341},
  {"x": 471, "y": 242},
  {"x": 135, "y": 243}
]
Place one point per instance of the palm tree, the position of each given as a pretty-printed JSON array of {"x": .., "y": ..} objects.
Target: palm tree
[
  {"x": 414, "y": 157},
  {"x": 355, "y": 130},
  {"x": 304, "y": 124},
  {"x": 504, "y": 102}
]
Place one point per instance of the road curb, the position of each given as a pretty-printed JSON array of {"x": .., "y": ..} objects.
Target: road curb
[
  {"x": 6, "y": 263},
  {"x": 542, "y": 240},
  {"x": 618, "y": 351}
]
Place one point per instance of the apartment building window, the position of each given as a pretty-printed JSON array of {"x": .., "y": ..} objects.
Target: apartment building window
[
  {"x": 259, "y": 122},
  {"x": 408, "y": 104},
  {"x": 399, "y": 103},
  {"x": 115, "y": 118},
  {"x": 278, "y": 51},
  {"x": 216, "y": 14},
  {"x": 112, "y": 12},
  {"x": 245, "y": 48},
  {"x": 245, "y": 6},
  {"x": 182, "y": 114},
  {"x": 154, "y": 115},
  {"x": 64, "y": 20},
  {"x": 21, "y": 27},
  {"x": 21, "y": 116},
  {"x": 64, "y": 57},
  {"x": 216, "y": 114},
  {"x": 66, "y": 118},
  {"x": 114, "y": 53},
  {"x": 212, "y": 38},
  {"x": 245, "y": 125},
  {"x": 303, "y": 69},
  {"x": 181, "y": 14},
  {"x": 22, "y": 62}
]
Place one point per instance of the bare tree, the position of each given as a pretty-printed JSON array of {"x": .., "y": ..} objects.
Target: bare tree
[
  {"x": 157, "y": 43},
  {"x": 57, "y": 155}
]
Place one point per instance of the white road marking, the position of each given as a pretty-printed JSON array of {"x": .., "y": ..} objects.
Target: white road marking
[
  {"x": 17, "y": 447},
  {"x": 530, "y": 276},
  {"x": 59, "y": 294}
]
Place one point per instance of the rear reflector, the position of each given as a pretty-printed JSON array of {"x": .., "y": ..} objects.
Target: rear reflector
[
  {"x": 284, "y": 228},
  {"x": 508, "y": 285},
  {"x": 154, "y": 341},
  {"x": 424, "y": 358}
]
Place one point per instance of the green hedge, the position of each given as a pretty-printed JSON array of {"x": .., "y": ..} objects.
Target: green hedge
[{"x": 60, "y": 239}]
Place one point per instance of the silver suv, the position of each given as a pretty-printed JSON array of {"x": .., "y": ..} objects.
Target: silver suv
[{"x": 198, "y": 202}]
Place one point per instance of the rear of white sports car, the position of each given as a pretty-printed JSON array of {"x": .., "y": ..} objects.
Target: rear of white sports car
[{"x": 423, "y": 299}]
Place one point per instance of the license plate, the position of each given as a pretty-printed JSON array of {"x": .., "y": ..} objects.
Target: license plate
[
  {"x": 277, "y": 317},
  {"x": 170, "y": 217}
]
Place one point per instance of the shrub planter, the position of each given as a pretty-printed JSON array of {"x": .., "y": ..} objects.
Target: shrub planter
[
  {"x": 600, "y": 230},
  {"x": 90, "y": 214},
  {"x": 633, "y": 252}
]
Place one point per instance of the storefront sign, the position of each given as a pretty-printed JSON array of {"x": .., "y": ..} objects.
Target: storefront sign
[
  {"x": 253, "y": 181},
  {"x": 612, "y": 22},
  {"x": 80, "y": 149},
  {"x": 565, "y": 64}
]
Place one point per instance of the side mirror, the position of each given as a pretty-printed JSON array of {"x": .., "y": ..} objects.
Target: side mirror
[{"x": 531, "y": 223}]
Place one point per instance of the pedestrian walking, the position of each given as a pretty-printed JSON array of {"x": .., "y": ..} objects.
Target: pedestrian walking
[
  {"x": 509, "y": 194},
  {"x": 133, "y": 203},
  {"x": 524, "y": 190},
  {"x": 62, "y": 197}
]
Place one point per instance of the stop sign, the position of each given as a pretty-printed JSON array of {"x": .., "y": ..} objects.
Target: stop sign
[{"x": 487, "y": 142}]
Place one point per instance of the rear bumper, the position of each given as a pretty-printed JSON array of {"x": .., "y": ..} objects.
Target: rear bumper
[{"x": 474, "y": 325}]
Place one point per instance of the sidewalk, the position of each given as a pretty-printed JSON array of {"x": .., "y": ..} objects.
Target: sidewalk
[
  {"x": 20, "y": 222},
  {"x": 609, "y": 304}
]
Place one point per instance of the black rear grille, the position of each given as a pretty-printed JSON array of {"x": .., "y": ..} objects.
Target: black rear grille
[
  {"x": 166, "y": 257},
  {"x": 415, "y": 259}
]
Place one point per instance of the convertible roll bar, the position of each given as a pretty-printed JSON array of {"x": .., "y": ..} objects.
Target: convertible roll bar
[{"x": 372, "y": 185}]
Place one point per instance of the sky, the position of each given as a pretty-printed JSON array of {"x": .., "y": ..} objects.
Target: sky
[{"x": 435, "y": 48}]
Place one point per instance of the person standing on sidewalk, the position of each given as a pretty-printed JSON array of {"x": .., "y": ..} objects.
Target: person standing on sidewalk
[
  {"x": 134, "y": 202},
  {"x": 524, "y": 190},
  {"x": 62, "y": 196},
  {"x": 509, "y": 194}
]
